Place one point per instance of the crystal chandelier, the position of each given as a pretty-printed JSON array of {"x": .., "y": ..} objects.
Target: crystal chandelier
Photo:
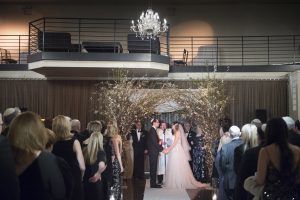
[{"x": 149, "y": 25}]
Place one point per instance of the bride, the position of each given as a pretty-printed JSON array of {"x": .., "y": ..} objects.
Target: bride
[{"x": 179, "y": 174}]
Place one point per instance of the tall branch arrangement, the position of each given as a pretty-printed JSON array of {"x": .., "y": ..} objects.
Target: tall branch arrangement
[{"x": 126, "y": 100}]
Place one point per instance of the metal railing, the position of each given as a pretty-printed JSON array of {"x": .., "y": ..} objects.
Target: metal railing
[
  {"x": 13, "y": 49},
  {"x": 236, "y": 50},
  {"x": 90, "y": 35}
]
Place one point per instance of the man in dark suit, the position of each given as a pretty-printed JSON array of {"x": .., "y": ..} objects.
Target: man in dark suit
[
  {"x": 227, "y": 161},
  {"x": 248, "y": 167},
  {"x": 153, "y": 148},
  {"x": 139, "y": 150},
  {"x": 191, "y": 135}
]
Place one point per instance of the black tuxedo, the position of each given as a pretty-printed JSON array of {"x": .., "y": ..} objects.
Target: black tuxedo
[
  {"x": 247, "y": 167},
  {"x": 139, "y": 146},
  {"x": 153, "y": 148}
]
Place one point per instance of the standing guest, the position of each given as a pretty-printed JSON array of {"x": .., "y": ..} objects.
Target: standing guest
[
  {"x": 9, "y": 186},
  {"x": 138, "y": 136},
  {"x": 62, "y": 164},
  {"x": 256, "y": 122},
  {"x": 38, "y": 171},
  {"x": 190, "y": 137},
  {"x": 278, "y": 169},
  {"x": 227, "y": 161},
  {"x": 117, "y": 166},
  {"x": 75, "y": 126},
  {"x": 200, "y": 169},
  {"x": 95, "y": 160},
  {"x": 166, "y": 138},
  {"x": 153, "y": 148},
  {"x": 249, "y": 137},
  {"x": 128, "y": 157},
  {"x": 248, "y": 168},
  {"x": 93, "y": 126},
  {"x": 68, "y": 148},
  {"x": 8, "y": 116},
  {"x": 294, "y": 133}
]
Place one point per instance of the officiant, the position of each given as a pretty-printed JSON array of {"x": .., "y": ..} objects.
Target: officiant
[
  {"x": 166, "y": 138},
  {"x": 139, "y": 145}
]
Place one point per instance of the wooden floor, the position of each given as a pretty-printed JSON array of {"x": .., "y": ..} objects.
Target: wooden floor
[{"x": 134, "y": 190}]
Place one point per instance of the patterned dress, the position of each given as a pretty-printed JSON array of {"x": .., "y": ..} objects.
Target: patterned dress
[
  {"x": 200, "y": 170},
  {"x": 116, "y": 177}
]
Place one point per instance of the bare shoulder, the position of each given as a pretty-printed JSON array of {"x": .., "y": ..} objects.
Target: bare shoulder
[{"x": 295, "y": 149}]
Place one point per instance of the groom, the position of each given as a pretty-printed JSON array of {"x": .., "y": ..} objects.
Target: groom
[{"x": 153, "y": 149}]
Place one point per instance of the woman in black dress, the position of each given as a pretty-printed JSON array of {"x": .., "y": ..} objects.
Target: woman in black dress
[
  {"x": 95, "y": 160},
  {"x": 38, "y": 171},
  {"x": 117, "y": 167},
  {"x": 68, "y": 148},
  {"x": 200, "y": 170}
]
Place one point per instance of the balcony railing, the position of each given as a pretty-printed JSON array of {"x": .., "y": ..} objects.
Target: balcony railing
[
  {"x": 90, "y": 35},
  {"x": 114, "y": 36},
  {"x": 13, "y": 49},
  {"x": 236, "y": 50}
]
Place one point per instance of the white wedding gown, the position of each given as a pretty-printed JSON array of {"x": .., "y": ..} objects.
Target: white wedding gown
[{"x": 179, "y": 174}]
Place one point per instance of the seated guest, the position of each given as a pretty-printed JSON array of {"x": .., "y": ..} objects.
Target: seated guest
[
  {"x": 95, "y": 160},
  {"x": 294, "y": 134},
  {"x": 9, "y": 186},
  {"x": 249, "y": 137},
  {"x": 278, "y": 168},
  {"x": 68, "y": 148},
  {"x": 227, "y": 161},
  {"x": 8, "y": 116},
  {"x": 39, "y": 174},
  {"x": 248, "y": 168}
]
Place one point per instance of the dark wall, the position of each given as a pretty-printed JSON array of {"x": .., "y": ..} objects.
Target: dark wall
[{"x": 72, "y": 98}]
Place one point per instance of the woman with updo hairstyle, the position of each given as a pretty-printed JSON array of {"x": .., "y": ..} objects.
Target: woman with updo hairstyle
[
  {"x": 68, "y": 148},
  {"x": 38, "y": 172}
]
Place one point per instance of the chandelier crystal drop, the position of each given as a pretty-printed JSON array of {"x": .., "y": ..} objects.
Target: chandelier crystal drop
[{"x": 149, "y": 25}]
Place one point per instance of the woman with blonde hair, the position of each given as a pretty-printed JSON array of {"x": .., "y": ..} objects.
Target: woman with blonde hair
[
  {"x": 38, "y": 171},
  {"x": 117, "y": 167},
  {"x": 95, "y": 160},
  {"x": 93, "y": 126},
  {"x": 250, "y": 139},
  {"x": 68, "y": 148}
]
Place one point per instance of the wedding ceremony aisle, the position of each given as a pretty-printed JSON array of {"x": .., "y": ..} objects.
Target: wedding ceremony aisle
[{"x": 140, "y": 190}]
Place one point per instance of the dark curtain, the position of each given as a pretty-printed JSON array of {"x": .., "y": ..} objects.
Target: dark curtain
[{"x": 72, "y": 98}]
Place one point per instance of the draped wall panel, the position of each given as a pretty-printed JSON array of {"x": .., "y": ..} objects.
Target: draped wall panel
[{"x": 72, "y": 98}]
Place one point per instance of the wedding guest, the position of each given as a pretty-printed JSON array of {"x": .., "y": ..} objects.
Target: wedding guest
[
  {"x": 68, "y": 148},
  {"x": 200, "y": 169},
  {"x": 166, "y": 138},
  {"x": 278, "y": 168},
  {"x": 9, "y": 185},
  {"x": 93, "y": 126},
  {"x": 249, "y": 137},
  {"x": 117, "y": 166},
  {"x": 248, "y": 168},
  {"x": 223, "y": 141},
  {"x": 190, "y": 137},
  {"x": 154, "y": 148},
  {"x": 62, "y": 164},
  {"x": 227, "y": 161},
  {"x": 138, "y": 136},
  {"x": 38, "y": 172},
  {"x": 256, "y": 122},
  {"x": 294, "y": 133},
  {"x": 95, "y": 160},
  {"x": 128, "y": 157},
  {"x": 8, "y": 116}
]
